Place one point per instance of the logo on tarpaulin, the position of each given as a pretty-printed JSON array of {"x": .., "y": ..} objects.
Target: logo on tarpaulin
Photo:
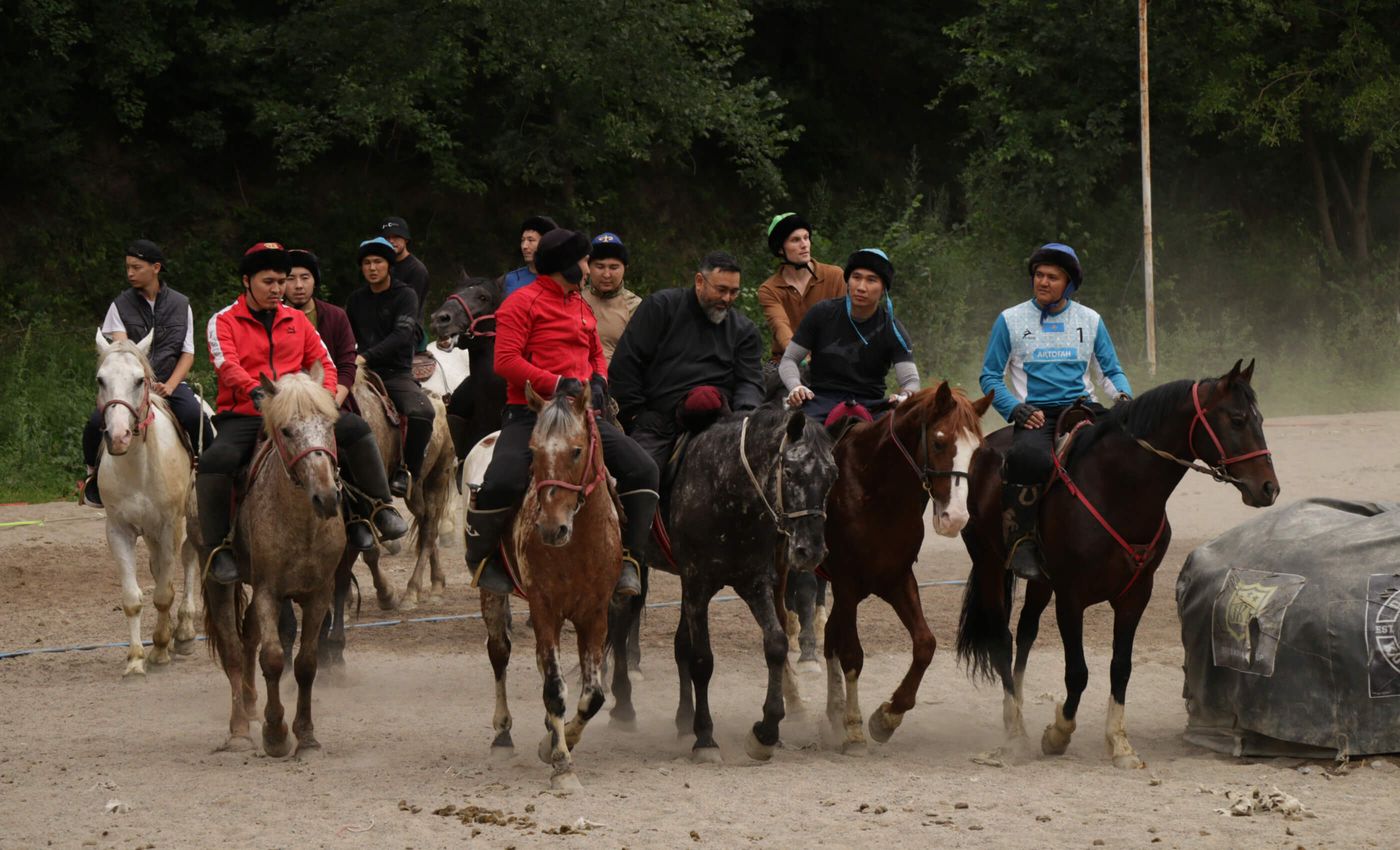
[
  {"x": 1247, "y": 619},
  {"x": 1247, "y": 602},
  {"x": 1383, "y": 634}
]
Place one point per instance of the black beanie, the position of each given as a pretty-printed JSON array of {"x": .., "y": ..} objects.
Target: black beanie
[
  {"x": 541, "y": 224},
  {"x": 264, "y": 256},
  {"x": 781, "y": 227},
  {"x": 560, "y": 249},
  {"x": 871, "y": 259},
  {"x": 145, "y": 250},
  {"x": 376, "y": 247},
  {"x": 607, "y": 246},
  {"x": 307, "y": 260}
]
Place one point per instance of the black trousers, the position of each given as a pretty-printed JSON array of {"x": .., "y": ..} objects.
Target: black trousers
[
  {"x": 509, "y": 473},
  {"x": 411, "y": 402},
  {"x": 1030, "y": 461},
  {"x": 183, "y": 404},
  {"x": 238, "y": 436}
]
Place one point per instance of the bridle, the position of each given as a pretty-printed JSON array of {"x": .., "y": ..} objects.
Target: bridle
[
  {"x": 594, "y": 462},
  {"x": 473, "y": 320},
  {"x": 924, "y": 471},
  {"x": 776, "y": 513},
  {"x": 142, "y": 422},
  {"x": 1220, "y": 470},
  {"x": 289, "y": 462}
]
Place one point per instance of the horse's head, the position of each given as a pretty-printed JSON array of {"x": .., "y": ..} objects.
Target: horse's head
[
  {"x": 1228, "y": 433},
  {"x": 806, "y": 473},
  {"x": 947, "y": 427},
  {"x": 465, "y": 310},
  {"x": 299, "y": 417},
  {"x": 567, "y": 461},
  {"x": 124, "y": 380}
]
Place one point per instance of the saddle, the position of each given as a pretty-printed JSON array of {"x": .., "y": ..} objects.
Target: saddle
[
  {"x": 424, "y": 365},
  {"x": 376, "y": 383},
  {"x": 1071, "y": 422}
]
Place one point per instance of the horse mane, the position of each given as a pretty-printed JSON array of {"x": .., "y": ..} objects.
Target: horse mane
[
  {"x": 557, "y": 418},
  {"x": 772, "y": 416},
  {"x": 126, "y": 346},
  {"x": 963, "y": 418},
  {"x": 1141, "y": 416},
  {"x": 297, "y": 396}
]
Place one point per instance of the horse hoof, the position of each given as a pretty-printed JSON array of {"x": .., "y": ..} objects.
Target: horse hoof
[
  {"x": 1054, "y": 742},
  {"x": 386, "y": 603},
  {"x": 706, "y": 755},
  {"x": 135, "y": 672},
  {"x": 634, "y": 674},
  {"x": 565, "y": 783},
  {"x": 185, "y": 646},
  {"x": 392, "y": 547},
  {"x": 622, "y": 724},
  {"x": 236, "y": 744},
  {"x": 756, "y": 749},
  {"x": 310, "y": 751},
  {"x": 883, "y": 724},
  {"x": 1128, "y": 761},
  {"x": 809, "y": 665},
  {"x": 277, "y": 749},
  {"x": 546, "y": 749},
  {"x": 435, "y": 599},
  {"x": 408, "y": 602}
]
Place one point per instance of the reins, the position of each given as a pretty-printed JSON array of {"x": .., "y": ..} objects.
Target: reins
[
  {"x": 777, "y": 514},
  {"x": 584, "y": 489},
  {"x": 290, "y": 463},
  {"x": 925, "y": 473},
  {"x": 142, "y": 424},
  {"x": 473, "y": 319}
]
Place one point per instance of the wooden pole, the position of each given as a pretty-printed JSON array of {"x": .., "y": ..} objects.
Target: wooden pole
[{"x": 1151, "y": 305}]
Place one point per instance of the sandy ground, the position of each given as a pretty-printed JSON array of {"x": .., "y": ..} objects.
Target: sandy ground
[{"x": 406, "y": 731}]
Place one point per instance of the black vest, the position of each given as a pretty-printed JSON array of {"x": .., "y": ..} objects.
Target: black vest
[{"x": 168, "y": 318}]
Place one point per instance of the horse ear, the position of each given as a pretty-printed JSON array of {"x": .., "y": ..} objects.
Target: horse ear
[
  {"x": 981, "y": 404},
  {"x": 1248, "y": 371},
  {"x": 317, "y": 372},
  {"x": 102, "y": 343},
  {"x": 943, "y": 397},
  {"x": 144, "y": 346},
  {"x": 532, "y": 398},
  {"x": 1234, "y": 372},
  {"x": 796, "y": 426},
  {"x": 267, "y": 386},
  {"x": 582, "y": 402}
]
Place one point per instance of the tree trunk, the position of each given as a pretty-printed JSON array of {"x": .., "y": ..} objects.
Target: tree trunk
[
  {"x": 1361, "y": 215},
  {"x": 1323, "y": 206}
]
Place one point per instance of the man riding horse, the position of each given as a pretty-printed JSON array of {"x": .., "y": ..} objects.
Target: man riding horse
[
  {"x": 686, "y": 356},
  {"x": 853, "y": 342},
  {"x": 384, "y": 318},
  {"x": 613, "y": 304},
  {"x": 546, "y": 336},
  {"x": 254, "y": 336},
  {"x": 150, "y": 306},
  {"x": 1047, "y": 346},
  {"x": 799, "y": 283}
]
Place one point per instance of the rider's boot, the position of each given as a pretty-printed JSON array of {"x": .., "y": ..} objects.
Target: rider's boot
[
  {"x": 484, "y": 530},
  {"x": 90, "y": 496},
  {"x": 215, "y": 495},
  {"x": 460, "y": 429},
  {"x": 364, "y": 467},
  {"x": 640, "y": 507},
  {"x": 400, "y": 482},
  {"x": 415, "y": 447},
  {"x": 1019, "y": 517}
]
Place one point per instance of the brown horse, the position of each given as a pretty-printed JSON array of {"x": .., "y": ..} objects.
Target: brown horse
[
  {"x": 568, "y": 554},
  {"x": 889, "y": 471},
  {"x": 288, "y": 539},
  {"x": 1104, "y": 531}
]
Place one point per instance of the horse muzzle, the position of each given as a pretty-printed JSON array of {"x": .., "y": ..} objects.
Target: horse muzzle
[
  {"x": 554, "y": 533},
  {"x": 118, "y": 443},
  {"x": 1261, "y": 495},
  {"x": 948, "y": 520},
  {"x": 326, "y": 504}
]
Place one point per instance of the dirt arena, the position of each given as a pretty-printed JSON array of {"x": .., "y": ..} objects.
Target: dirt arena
[{"x": 406, "y": 730}]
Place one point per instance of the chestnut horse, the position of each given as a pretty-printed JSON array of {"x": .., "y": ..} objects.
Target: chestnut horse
[
  {"x": 568, "y": 556},
  {"x": 1103, "y": 532},
  {"x": 890, "y": 470}
]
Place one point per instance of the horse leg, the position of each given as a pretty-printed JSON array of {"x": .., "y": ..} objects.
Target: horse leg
[
  {"x": 162, "y": 552},
  {"x": 1038, "y": 594},
  {"x": 638, "y": 605},
  {"x": 185, "y": 634},
  {"x": 287, "y": 626},
  {"x": 221, "y": 622},
  {"x": 313, "y": 610},
  {"x": 435, "y": 572},
  {"x": 621, "y": 615},
  {"x": 252, "y": 637},
  {"x": 905, "y": 602},
  {"x": 382, "y": 591},
  {"x": 792, "y": 621},
  {"x": 591, "y": 633},
  {"x": 696, "y": 602},
  {"x": 792, "y": 694},
  {"x": 274, "y": 733},
  {"x": 685, "y": 707},
  {"x": 1126, "y": 615},
  {"x": 495, "y": 612},
  {"x": 804, "y": 586},
  {"x": 554, "y": 746},
  {"x": 819, "y": 618},
  {"x": 332, "y": 647},
  {"x": 847, "y": 725},
  {"x": 121, "y": 539},
  {"x": 413, "y": 591},
  {"x": 763, "y": 737},
  {"x": 1071, "y": 621}
]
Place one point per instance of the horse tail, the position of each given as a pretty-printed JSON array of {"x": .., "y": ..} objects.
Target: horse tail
[
  {"x": 983, "y": 625},
  {"x": 225, "y": 638}
]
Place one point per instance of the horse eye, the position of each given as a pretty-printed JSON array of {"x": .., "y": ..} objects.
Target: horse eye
[
  {"x": 287, "y": 432},
  {"x": 101, "y": 382},
  {"x": 578, "y": 453},
  {"x": 1237, "y": 421},
  {"x": 939, "y": 446},
  {"x": 140, "y": 381}
]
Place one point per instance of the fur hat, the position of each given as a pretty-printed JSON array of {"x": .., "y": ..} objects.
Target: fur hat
[
  {"x": 871, "y": 259},
  {"x": 394, "y": 226},
  {"x": 146, "y": 251},
  {"x": 376, "y": 247},
  {"x": 560, "y": 249},
  {"x": 1057, "y": 254},
  {"x": 541, "y": 224},
  {"x": 781, "y": 227},
  {"x": 305, "y": 259},
  {"x": 263, "y": 256},
  {"x": 607, "y": 246}
]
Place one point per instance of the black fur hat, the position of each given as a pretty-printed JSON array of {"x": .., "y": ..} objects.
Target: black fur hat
[
  {"x": 781, "y": 227},
  {"x": 874, "y": 260},
  {"x": 307, "y": 260},
  {"x": 560, "y": 249},
  {"x": 263, "y": 256},
  {"x": 541, "y": 224}
]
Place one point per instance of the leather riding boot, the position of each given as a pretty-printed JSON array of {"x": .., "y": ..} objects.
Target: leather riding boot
[
  {"x": 460, "y": 429},
  {"x": 640, "y": 507},
  {"x": 90, "y": 496},
  {"x": 400, "y": 482},
  {"x": 361, "y": 462},
  {"x": 215, "y": 495},
  {"x": 484, "y": 530},
  {"x": 1020, "y": 503}
]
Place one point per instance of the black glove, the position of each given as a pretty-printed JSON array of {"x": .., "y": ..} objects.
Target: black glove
[
  {"x": 570, "y": 387},
  {"x": 257, "y": 396},
  {"x": 1021, "y": 413},
  {"x": 598, "y": 385}
]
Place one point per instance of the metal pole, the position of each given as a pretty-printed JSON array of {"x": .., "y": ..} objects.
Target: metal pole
[{"x": 1151, "y": 311}]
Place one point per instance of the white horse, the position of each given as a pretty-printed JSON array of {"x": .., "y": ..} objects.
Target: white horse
[
  {"x": 453, "y": 367},
  {"x": 145, "y": 475}
]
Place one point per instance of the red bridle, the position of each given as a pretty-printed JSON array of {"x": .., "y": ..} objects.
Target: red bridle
[
  {"x": 291, "y": 463},
  {"x": 594, "y": 462},
  {"x": 473, "y": 319},
  {"x": 1224, "y": 462},
  {"x": 142, "y": 424}
]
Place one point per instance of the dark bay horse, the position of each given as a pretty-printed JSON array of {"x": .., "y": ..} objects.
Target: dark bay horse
[
  {"x": 1104, "y": 531},
  {"x": 747, "y": 506},
  {"x": 469, "y": 314},
  {"x": 890, "y": 470},
  {"x": 568, "y": 554}
]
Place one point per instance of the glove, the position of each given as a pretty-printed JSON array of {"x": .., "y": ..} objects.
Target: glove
[
  {"x": 703, "y": 400},
  {"x": 257, "y": 396},
  {"x": 570, "y": 387},
  {"x": 599, "y": 387},
  {"x": 1022, "y": 412}
]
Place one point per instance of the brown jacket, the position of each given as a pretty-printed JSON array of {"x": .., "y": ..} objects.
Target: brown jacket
[
  {"x": 612, "y": 314},
  {"x": 784, "y": 307}
]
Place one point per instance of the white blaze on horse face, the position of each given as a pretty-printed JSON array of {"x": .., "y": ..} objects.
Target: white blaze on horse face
[
  {"x": 557, "y": 504},
  {"x": 949, "y": 519},
  {"x": 119, "y": 378}
]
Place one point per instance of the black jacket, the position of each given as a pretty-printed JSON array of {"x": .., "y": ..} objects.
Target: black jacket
[
  {"x": 411, "y": 272},
  {"x": 170, "y": 319},
  {"x": 386, "y": 328}
]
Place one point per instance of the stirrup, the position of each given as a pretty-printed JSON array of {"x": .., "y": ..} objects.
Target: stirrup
[
  {"x": 375, "y": 508},
  {"x": 1039, "y": 564},
  {"x": 226, "y": 544}
]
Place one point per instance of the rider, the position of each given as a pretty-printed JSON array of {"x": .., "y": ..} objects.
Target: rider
[
  {"x": 407, "y": 269},
  {"x": 384, "y": 317},
  {"x": 686, "y": 355},
  {"x": 254, "y": 336},
  {"x": 547, "y": 336},
  {"x": 147, "y": 306},
  {"x": 798, "y": 284},
  {"x": 532, "y": 230},
  {"x": 329, "y": 320},
  {"x": 853, "y": 342},
  {"x": 606, "y": 293},
  {"x": 1047, "y": 345}
]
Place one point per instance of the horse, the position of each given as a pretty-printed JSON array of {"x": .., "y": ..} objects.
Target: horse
[
  {"x": 568, "y": 554},
  {"x": 890, "y": 470},
  {"x": 748, "y": 507},
  {"x": 1111, "y": 489},
  {"x": 145, "y": 477},
  {"x": 465, "y": 315},
  {"x": 288, "y": 538}
]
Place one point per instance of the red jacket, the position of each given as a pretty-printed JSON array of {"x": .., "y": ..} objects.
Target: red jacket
[
  {"x": 542, "y": 335},
  {"x": 242, "y": 350}
]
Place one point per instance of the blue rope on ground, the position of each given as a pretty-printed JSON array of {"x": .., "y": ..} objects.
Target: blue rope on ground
[{"x": 377, "y": 624}]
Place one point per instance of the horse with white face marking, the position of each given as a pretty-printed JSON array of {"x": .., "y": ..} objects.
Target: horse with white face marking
[
  {"x": 891, "y": 470},
  {"x": 144, "y": 475}
]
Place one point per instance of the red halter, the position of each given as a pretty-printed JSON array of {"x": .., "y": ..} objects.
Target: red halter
[
  {"x": 291, "y": 463},
  {"x": 1200, "y": 417},
  {"x": 593, "y": 461},
  {"x": 471, "y": 330},
  {"x": 142, "y": 424}
]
